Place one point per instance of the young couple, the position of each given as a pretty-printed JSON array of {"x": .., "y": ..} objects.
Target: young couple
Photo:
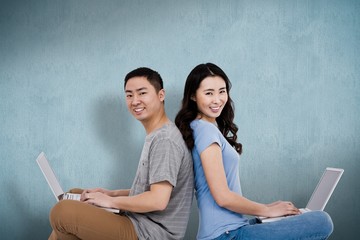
[{"x": 202, "y": 144}]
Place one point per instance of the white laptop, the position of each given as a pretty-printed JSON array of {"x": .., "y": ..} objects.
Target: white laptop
[
  {"x": 54, "y": 183},
  {"x": 321, "y": 194}
]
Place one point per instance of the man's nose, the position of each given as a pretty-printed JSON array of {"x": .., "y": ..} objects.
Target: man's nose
[{"x": 135, "y": 100}]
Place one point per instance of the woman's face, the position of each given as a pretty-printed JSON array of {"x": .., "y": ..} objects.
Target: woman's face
[{"x": 210, "y": 98}]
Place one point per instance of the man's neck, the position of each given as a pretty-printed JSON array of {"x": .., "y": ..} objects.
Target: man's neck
[{"x": 156, "y": 123}]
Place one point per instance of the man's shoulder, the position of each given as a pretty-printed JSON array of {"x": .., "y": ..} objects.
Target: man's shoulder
[
  {"x": 169, "y": 134},
  {"x": 168, "y": 131}
]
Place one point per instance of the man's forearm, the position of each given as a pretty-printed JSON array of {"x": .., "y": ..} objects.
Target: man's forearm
[
  {"x": 156, "y": 199},
  {"x": 120, "y": 192}
]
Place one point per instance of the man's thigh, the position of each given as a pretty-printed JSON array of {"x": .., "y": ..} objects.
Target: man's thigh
[{"x": 90, "y": 222}]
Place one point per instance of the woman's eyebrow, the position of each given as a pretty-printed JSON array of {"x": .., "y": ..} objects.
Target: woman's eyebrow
[{"x": 211, "y": 89}]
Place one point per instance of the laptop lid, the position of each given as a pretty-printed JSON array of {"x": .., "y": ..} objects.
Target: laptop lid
[
  {"x": 324, "y": 189},
  {"x": 49, "y": 176}
]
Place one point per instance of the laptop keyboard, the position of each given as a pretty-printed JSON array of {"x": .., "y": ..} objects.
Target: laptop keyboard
[{"x": 72, "y": 196}]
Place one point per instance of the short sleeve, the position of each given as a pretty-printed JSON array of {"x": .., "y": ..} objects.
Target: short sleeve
[
  {"x": 165, "y": 160},
  {"x": 205, "y": 134}
]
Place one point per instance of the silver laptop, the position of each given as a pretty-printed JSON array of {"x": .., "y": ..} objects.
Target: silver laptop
[
  {"x": 54, "y": 183},
  {"x": 321, "y": 194}
]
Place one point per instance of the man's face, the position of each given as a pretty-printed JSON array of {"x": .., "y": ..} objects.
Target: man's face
[{"x": 142, "y": 100}]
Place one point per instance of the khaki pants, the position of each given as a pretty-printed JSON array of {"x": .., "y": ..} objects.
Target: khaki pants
[{"x": 72, "y": 220}]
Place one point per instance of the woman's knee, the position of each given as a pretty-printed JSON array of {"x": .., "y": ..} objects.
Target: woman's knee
[
  {"x": 323, "y": 220},
  {"x": 327, "y": 222}
]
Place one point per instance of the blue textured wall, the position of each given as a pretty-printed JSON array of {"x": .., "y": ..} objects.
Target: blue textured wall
[{"x": 295, "y": 72}]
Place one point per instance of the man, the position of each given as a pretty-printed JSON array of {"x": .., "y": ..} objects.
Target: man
[{"x": 158, "y": 204}]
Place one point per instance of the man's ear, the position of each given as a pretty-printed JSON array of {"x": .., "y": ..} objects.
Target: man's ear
[{"x": 161, "y": 94}]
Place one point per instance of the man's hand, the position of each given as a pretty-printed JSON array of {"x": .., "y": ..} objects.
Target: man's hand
[
  {"x": 97, "y": 198},
  {"x": 94, "y": 190}
]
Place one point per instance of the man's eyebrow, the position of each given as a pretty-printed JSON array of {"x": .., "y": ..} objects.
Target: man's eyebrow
[{"x": 136, "y": 90}]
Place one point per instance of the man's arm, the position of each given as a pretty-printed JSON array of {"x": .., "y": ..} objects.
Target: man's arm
[
  {"x": 111, "y": 193},
  {"x": 156, "y": 199},
  {"x": 121, "y": 192}
]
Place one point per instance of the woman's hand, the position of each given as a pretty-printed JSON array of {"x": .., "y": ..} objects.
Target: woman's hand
[{"x": 281, "y": 208}]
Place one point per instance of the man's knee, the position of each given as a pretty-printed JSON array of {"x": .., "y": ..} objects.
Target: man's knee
[
  {"x": 76, "y": 190},
  {"x": 60, "y": 211}
]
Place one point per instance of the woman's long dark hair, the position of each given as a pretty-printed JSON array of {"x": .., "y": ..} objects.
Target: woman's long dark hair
[{"x": 189, "y": 110}]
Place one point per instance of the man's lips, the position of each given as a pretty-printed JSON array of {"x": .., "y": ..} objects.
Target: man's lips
[{"x": 138, "y": 110}]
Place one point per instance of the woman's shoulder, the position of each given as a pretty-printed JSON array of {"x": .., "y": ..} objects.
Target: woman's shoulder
[
  {"x": 205, "y": 133},
  {"x": 199, "y": 125}
]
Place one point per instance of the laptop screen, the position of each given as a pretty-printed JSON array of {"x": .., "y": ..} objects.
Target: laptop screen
[
  {"x": 49, "y": 175},
  {"x": 324, "y": 189}
]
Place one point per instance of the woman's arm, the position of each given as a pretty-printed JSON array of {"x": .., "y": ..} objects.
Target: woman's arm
[{"x": 212, "y": 162}]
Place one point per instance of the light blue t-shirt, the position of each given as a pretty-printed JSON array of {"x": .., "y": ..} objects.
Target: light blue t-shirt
[{"x": 214, "y": 220}]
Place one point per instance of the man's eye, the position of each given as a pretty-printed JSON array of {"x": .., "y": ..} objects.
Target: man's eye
[{"x": 142, "y": 93}]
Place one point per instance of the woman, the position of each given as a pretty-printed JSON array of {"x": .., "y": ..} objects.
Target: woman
[{"x": 206, "y": 123}]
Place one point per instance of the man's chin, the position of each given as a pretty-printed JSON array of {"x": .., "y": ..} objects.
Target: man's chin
[{"x": 139, "y": 117}]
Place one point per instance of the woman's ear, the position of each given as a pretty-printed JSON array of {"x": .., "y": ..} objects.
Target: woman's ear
[{"x": 193, "y": 98}]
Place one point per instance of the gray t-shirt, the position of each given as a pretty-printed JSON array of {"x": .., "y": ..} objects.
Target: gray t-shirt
[{"x": 164, "y": 157}]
